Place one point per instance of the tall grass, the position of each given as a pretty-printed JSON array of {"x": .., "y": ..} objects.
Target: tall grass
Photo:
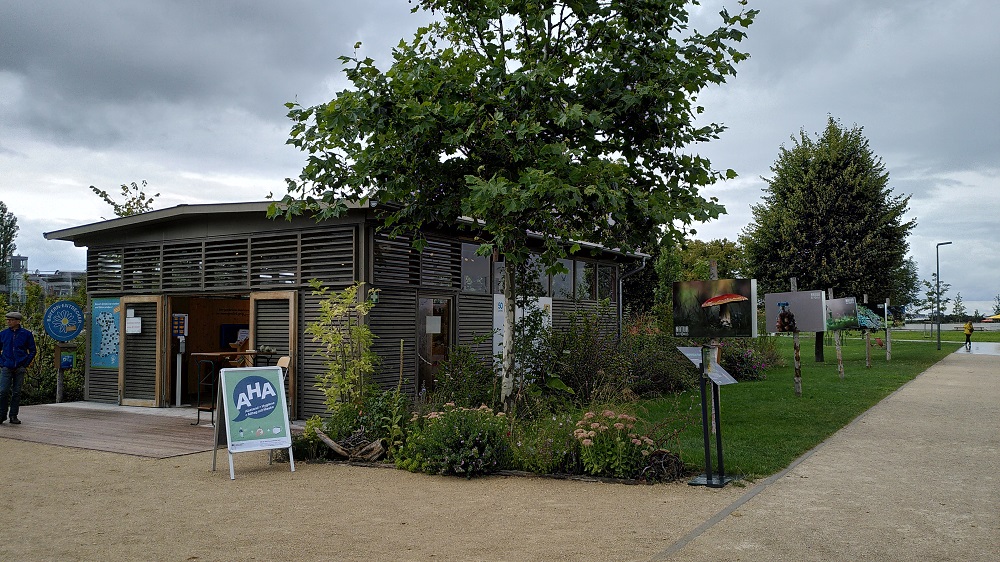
[{"x": 765, "y": 426}]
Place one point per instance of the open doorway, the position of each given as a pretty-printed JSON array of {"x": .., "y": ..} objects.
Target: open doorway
[
  {"x": 214, "y": 324},
  {"x": 434, "y": 335}
]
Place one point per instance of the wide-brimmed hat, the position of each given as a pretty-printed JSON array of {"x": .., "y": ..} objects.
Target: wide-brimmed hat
[{"x": 15, "y": 315}]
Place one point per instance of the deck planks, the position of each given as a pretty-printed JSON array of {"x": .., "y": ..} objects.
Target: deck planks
[{"x": 143, "y": 432}]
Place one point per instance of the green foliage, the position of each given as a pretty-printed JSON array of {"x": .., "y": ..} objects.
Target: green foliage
[
  {"x": 545, "y": 445},
  {"x": 376, "y": 413},
  {"x": 558, "y": 117},
  {"x": 609, "y": 444},
  {"x": 697, "y": 255},
  {"x": 456, "y": 441},
  {"x": 494, "y": 113},
  {"x": 583, "y": 357},
  {"x": 830, "y": 219},
  {"x": 345, "y": 341},
  {"x": 749, "y": 359},
  {"x": 135, "y": 200},
  {"x": 8, "y": 236},
  {"x": 958, "y": 308},
  {"x": 933, "y": 293},
  {"x": 655, "y": 366},
  {"x": 307, "y": 445},
  {"x": 466, "y": 379},
  {"x": 40, "y": 380}
]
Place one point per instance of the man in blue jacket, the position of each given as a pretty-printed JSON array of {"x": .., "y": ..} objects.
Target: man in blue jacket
[{"x": 17, "y": 351}]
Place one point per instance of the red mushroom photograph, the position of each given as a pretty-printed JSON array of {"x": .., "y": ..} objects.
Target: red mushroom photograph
[{"x": 715, "y": 309}]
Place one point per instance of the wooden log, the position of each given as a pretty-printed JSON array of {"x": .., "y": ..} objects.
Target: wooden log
[
  {"x": 370, "y": 452},
  {"x": 336, "y": 448}
]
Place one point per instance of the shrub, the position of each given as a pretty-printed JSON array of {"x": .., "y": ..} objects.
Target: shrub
[
  {"x": 379, "y": 414},
  {"x": 582, "y": 355},
  {"x": 609, "y": 446},
  {"x": 466, "y": 379},
  {"x": 460, "y": 441},
  {"x": 655, "y": 366},
  {"x": 344, "y": 339},
  {"x": 748, "y": 359},
  {"x": 308, "y": 445},
  {"x": 545, "y": 445}
]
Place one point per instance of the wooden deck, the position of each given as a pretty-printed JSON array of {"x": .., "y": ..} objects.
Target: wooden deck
[{"x": 144, "y": 432}]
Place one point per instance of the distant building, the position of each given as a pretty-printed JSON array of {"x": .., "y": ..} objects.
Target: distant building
[
  {"x": 15, "y": 288},
  {"x": 58, "y": 283}
]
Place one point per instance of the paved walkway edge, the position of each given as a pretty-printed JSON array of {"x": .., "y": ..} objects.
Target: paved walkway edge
[{"x": 667, "y": 553}]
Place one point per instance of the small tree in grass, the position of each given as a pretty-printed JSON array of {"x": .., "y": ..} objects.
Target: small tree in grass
[{"x": 345, "y": 341}]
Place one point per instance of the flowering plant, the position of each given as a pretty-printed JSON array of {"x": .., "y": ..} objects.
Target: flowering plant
[
  {"x": 609, "y": 446},
  {"x": 461, "y": 441},
  {"x": 749, "y": 360}
]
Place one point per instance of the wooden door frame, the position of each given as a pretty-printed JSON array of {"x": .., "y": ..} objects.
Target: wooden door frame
[
  {"x": 292, "y": 297},
  {"x": 161, "y": 350}
]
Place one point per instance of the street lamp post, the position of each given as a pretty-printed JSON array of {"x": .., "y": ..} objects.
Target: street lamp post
[{"x": 937, "y": 290}]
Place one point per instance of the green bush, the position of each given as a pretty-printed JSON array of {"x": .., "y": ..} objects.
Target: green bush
[
  {"x": 609, "y": 445},
  {"x": 655, "y": 365},
  {"x": 748, "y": 359},
  {"x": 378, "y": 414},
  {"x": 466, "y": 379},
  {"x": 545, "y": 445},
  {"x": 583, "y": 356},
  {"x": 459, "y": 441}
]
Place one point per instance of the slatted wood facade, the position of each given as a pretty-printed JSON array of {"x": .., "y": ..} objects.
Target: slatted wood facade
[
  {"x": 139, "y": 358},
  {"x": 202, "y": 254}
]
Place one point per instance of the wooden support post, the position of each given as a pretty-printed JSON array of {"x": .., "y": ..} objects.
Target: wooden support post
[
  {"x": 836, "y": 341},
  {"x": 798, "y": 349}
]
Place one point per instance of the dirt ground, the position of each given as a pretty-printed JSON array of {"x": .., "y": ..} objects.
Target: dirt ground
[{"x": 61, "y": 503}]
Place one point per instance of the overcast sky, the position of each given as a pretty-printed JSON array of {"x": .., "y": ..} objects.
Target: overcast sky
[{"x": 188, "y": 95}]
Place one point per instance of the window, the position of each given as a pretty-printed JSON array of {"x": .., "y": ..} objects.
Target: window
[
  {"x": 562, "y": 282},
  {"x": 534, "y": 282},
  {"x": 586, "y": 280},
  {"x": 475, "y": 270},
  {"x": 606, "y": 286}
]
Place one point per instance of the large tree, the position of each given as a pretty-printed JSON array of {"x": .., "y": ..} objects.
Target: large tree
[
  {"x": 830, "y": 219},
  {"x": 563, "y": 117},
  {"x": 8, "y": 233}
]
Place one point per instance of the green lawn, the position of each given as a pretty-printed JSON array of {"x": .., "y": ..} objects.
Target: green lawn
[{"x": 765, "y": 426}]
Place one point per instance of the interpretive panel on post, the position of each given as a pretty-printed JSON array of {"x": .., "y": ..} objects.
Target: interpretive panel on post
[{"x": 255, "y": 409}]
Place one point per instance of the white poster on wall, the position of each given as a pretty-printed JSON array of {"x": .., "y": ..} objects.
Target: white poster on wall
[{"x": 499, "y": 312}]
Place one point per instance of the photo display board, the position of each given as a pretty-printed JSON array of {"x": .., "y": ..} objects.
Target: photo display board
[
  {"x": 715, "y": 309},
  {"x": 804, "y": 311},
  {"x": 256, "y": 415},
  {"x": 842, "y": 314}
]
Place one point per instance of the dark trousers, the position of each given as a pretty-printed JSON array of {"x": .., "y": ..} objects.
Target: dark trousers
[{"x": 10, "y": 390}]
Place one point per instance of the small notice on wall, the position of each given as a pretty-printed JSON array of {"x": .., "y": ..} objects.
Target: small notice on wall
[{"x": 133, "y": 325}]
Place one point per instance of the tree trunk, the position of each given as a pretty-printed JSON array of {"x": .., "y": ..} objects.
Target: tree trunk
[
  {"x": 840, "y": 354},
  {"x": 798, "y": 364},
  {"x": 507, "y": 388},
  {"x": 868, "y": 349}
]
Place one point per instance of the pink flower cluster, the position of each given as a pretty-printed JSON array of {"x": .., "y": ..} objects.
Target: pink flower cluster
[{"x": 593, "y": 423}]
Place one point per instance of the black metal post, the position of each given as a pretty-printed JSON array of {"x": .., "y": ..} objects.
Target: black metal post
[
  {"x": 718, "y": 433},
  {"x": 937, "y": 290},
  {"x": 704, "y": 424}
]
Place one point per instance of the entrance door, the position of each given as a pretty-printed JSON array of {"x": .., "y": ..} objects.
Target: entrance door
[
  {"x": 273, "y": 321},
  {"x": 140, "y": 368},
  {"x": 434, "y": 335}
]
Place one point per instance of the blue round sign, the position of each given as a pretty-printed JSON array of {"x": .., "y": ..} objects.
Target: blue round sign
[{"x": 63, "y": 320}]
